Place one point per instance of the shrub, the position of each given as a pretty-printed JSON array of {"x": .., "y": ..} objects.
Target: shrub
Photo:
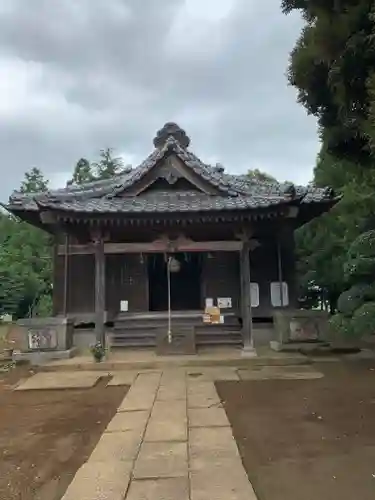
[
  {"x": 363, "y": 320},
  {"x": 353, "y": 298},
  {"x": 341, "y": 325}
]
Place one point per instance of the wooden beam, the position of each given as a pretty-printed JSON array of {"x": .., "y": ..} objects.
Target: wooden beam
[
  {"x": 66, "y": 275},
  {"x": 156, "y": 247},
  {"x": 247, "y": 320},
  {"x": 99, "y": 290}
]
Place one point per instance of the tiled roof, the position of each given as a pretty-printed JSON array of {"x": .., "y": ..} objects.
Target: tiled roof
[
  {"x": 165, "y": 202},
  {"x": 236, "y": 192}
]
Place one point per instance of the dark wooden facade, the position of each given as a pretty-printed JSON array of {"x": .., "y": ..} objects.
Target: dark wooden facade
[
  {"x": 233, "y": 238},
  {"x": 126, "y": 277}
]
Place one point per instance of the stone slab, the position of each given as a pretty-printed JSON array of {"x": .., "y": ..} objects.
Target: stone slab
[
  {"x": 212, "y": 442},
  {"x": 220, "y": 486},
  {"x": 202, "y": 394},
  {"x": 281, "y": 372},
  {"x": 137, "y": 402},
  {"x": 176, "y": 488},
  {"x": 117, "y": 446},
  {"x": 164, "y": 408},
  {"x": 171, "y": 390},
  {"x": 208, "y": 417},
  {"x": 209, "y": 374},
  {"x": 158, "y": 460},
  {"x": 100, "y": 481},
  {"x": 168, "y": 422},
  {"x": 141, "y": 395},
  {"x": 123, "y": 378},
  {"x": 129, "y": 421},
  {"x": 60, "y": 380}
]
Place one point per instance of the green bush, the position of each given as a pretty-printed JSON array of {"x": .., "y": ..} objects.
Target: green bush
[
  {"x": 359, "y": 269},
  {"x": 363, "y": 246},
  {"x": 353, "y": 298},
  {"x": 363, "y": 321},
  {"x": 341, "y": 325}
]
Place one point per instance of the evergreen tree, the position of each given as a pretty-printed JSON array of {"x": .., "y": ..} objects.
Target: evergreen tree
[
  {"x": 108, "y": 165},
  {"x": 34, "y": 182},
  {"x": 82, "y": 172}
]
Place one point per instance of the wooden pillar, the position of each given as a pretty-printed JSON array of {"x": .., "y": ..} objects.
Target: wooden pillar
[
  {"x": 66, "y": 276},
  {"x": 280, "y": 271},
  {"x": 99, "y": 290},
  {"x": 247, "y": 320}
]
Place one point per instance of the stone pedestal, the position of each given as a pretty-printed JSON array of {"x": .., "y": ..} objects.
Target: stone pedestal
[
  {"x": 249, "y": 352},
  {"x": 44, "y": 339},
  {"x": 182, "y": 341},
  {"x": 297, "y": 329}
]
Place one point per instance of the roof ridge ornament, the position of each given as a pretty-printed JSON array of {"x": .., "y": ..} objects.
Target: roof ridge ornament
[{"x": 171, "y": 129}]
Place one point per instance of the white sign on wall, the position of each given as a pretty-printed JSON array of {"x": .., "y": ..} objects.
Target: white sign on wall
[
  {"x": 254, "y": 291},
  {"x": 209, "y": 302},
  {"x": 124, "y": 306},
  {"x": 224, "y": 302},
  {"x": 279, "y": 297}
]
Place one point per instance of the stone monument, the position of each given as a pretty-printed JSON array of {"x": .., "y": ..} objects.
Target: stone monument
[
  {"x": 44, "y": 339},
  {"x": 297, "y": 329}
]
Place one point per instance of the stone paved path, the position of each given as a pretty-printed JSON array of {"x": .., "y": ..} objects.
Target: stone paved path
[{"x": 169, "y": 440}]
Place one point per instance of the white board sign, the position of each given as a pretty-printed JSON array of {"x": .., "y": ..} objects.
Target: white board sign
[
  {"x": 124, "y": 306},
  {"x": 209, "y": 302},
  {"x": 254, "y": 291},
  {"x": 224, "y": 302},
  {"x": 278, "y": 299}
]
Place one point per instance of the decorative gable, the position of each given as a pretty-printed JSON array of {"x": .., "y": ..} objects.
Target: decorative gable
[{"x": 170, "y": 174}]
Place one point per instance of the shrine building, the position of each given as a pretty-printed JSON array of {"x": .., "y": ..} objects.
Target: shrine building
[{"x": 151, "y": 248}]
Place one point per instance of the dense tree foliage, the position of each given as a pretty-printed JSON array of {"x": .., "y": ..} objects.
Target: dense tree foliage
[
  {"x": 108, "y": 165},
  {"x": 332, "y": 67},
  {"x": 25, "y": 258},
  {"x": 26, "y": 251},
  {"x": 82, "y": 172}
]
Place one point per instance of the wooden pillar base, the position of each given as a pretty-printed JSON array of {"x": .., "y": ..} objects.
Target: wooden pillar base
[{"x": 249, "y": 352}]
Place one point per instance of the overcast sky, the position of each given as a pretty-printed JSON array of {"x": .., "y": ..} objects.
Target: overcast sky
[{"x": 80, "y": 75}]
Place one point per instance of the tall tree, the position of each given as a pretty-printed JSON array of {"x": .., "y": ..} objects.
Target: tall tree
[
  {"x": 332, "y": 67},
  {"x": 34, "y": 182},
  {"x": 25, "y": 257},
  {"x": 108, "y": 165},
  {"x": 82, "y": 173}
]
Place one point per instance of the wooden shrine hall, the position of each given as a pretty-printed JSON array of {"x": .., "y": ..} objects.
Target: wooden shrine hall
[{"x": 151, "y": 248}]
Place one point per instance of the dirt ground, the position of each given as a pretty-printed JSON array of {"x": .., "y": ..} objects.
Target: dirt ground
[
  {"x": 45, "y": 436},
  {"x": 307, "y": 439}
]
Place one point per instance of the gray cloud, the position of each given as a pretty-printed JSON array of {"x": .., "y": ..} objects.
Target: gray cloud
[{"x": 81, "y": 75}]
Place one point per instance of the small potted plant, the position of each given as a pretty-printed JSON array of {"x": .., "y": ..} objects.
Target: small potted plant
[{"x": 98, "y": 351}]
